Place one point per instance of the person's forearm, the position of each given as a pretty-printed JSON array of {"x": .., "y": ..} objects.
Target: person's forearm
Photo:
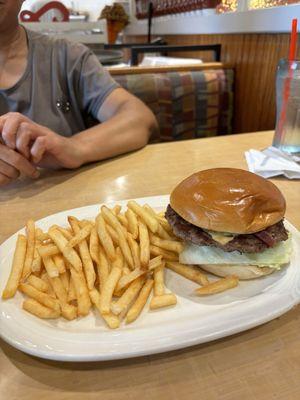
[{"x": 128, "y": 130}]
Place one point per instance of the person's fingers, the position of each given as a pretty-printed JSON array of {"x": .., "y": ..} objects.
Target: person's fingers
[
  {"x": 4, "y": 180},
  {"x": 38, "y": 149},
  {"x": 10, "y": 128},
  {"x": 2, "y": 121},
  {"x": 26, "y": 134},
  {"x": 8, "y": 170},
  {"x": 18, "y": 161}
]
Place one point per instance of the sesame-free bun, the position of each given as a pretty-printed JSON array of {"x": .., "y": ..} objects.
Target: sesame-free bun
[
  {"x": 228, "y": 200},
  {"x": 243, "y": 272}
]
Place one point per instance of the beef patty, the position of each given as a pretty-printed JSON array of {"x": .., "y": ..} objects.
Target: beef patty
[{"x": 251, "y": 243}]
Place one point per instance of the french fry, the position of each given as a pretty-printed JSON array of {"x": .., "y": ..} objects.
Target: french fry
[
  {"x": 71, "y": 291},
  {"x": 125, "y": 247},
  {"x": 30, "y": 231},
  {"x": 60, "y": 263},
  {"x": 117, "y": 209},
  {"x": 113, "y": 234},
  {"x": 111, "y": 320},
  {"x": 17, "y": 268},
  {"x": 45, "y": 278},
  {"x": 145, "y": 215},
  {"x": 50, "y": 267},
  {"x": 84, "y": 222},
  {"x": 155, "y": 262},
  {"x": 37, "y": 283},
  {"x": 65, "y": 278},
  {"x": 40, "y": 235},
  {"x": 48, "y": 251},
  {"x": 110, "y": 218},
  {"x": 113, "y": 221},
  {"x": 80, "y": 234},
  {"x": 123, "y": 220},
  {"x": 132, "y": 223},
  {"x": 159, "y": 287},
  {"x": 128, "y": 296},
  {"x": 126, "y": 270},
  {"x": 110, "y": 285},
  {"x": 165, "y": 300},
  {"x": 41, "y": 297},
  {"x": 103, "y": 269},
  {"x": 34, "y": 307},
  {"x": 144, "y": 244},
  {"x": 126, "y": 279},
  {"x": 161, "y": 232},
  {"x": 170, "y": 245},
  {"x": 167, "y": 255},
  {"x": 66, "y": 233},
  {"x": 150, "y": 210},
  {"x": 165, "y": 224},
  {"x": 105, "y": 238},
  {"x": 68, "y": 311},
  {"x": 81, "y": 290},
  {"x": 188, "y": 271},
  {"x": 37, "y": 259},
  {"x": 140, "y": 302},
  {"x": 69, "y": 253},
  {"x": 135, "y": 250},
  {"x": 94, "y": 245},
  {"x": 87, "y": 262},
  {"x": 218, "y": 286},
  {"x": 59, "y": 289}
]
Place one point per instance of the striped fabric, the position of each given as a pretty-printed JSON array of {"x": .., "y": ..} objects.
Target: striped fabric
[{"x": 188, "y": 104}]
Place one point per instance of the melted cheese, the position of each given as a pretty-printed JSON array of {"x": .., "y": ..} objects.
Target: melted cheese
[{"x": 220, "y": 237}]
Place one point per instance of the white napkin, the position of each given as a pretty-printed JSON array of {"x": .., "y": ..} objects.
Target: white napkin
[{"x": 273, "y": 162}]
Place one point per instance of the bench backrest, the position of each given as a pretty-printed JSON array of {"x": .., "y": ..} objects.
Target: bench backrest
[{"x": 187, "y": 102}]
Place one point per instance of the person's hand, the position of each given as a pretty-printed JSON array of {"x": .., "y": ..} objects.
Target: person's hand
[
  {"x": 12, "y": 164},
  {"x": 39, "y": 144}
]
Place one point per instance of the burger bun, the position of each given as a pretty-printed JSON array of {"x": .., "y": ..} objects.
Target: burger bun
[
  {"x": 243, "y": 272},
  {"x": 228, "y": 200}
]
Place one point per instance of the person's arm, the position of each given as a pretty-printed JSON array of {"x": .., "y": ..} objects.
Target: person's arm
[{"x": 126, "y": 125}]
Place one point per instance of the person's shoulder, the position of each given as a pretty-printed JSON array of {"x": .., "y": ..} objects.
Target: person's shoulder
[{"x": 73, "y": 50}]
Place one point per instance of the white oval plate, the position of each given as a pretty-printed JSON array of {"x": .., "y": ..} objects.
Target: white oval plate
[{"x": 194, "y": 320}]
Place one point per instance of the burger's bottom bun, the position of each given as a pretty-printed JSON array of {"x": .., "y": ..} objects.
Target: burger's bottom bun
[{"x": 243, "y": 272}]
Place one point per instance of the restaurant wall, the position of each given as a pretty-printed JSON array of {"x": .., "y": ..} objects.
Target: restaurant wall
[{"x": 254, "y": 57}]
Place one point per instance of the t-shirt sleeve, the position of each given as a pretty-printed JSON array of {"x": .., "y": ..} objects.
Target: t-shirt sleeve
[{"x": 91, "y": 82}]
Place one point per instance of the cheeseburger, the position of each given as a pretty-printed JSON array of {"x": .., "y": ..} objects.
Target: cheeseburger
[{"x": 231, "y": 221}]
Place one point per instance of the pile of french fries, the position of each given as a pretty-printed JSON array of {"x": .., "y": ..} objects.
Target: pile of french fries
[{"x": 113, "y": 264}]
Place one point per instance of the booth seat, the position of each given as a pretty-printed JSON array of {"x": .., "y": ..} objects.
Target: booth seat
[{"x": 188, "y": 101}]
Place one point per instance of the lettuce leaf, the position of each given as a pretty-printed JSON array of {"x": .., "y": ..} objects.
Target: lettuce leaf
[{"x": 273, "y": 257}]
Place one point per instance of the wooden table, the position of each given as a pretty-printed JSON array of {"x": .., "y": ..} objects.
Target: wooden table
[{"x": 263, "y": 363}]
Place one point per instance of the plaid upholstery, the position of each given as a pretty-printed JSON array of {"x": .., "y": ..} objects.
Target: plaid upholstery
[{"x": 188, "y": 104}]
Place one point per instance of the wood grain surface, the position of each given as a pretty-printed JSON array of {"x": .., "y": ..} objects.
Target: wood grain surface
[
  {"x": 165, "y": 68},
  {"x": 262, "y": 364},
  {"x": 254, "y": 57}
]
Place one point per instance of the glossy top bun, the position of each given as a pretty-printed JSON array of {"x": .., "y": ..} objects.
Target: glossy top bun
[{"x": 228, "y": 200}]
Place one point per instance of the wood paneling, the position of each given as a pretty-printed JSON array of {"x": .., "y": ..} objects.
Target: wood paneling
[{"x": 254, "y": 57}]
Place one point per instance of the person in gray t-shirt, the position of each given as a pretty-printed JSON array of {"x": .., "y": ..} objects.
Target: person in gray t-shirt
[{"x": 59, "y": 108}]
